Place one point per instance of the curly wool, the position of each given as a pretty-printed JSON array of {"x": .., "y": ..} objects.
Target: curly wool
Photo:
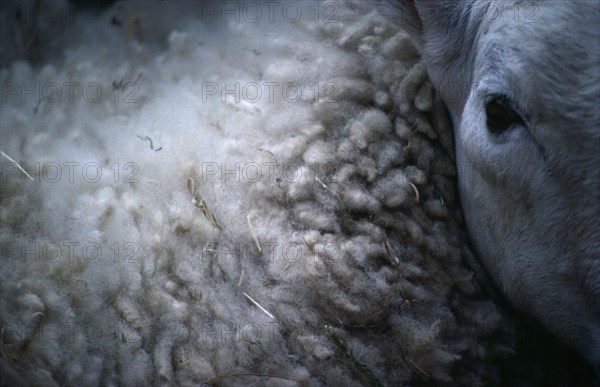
[{"x": 255, "y": 224}]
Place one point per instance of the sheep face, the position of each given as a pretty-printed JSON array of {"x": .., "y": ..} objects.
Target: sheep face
[{"x": 521, "y": 82}]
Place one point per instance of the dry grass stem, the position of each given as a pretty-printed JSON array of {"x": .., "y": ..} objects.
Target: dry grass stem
[
  {"x": 201, "y": 204},
  {"x": 256, "y": 241},
  {"x": 17, "y": 164},
  {"x": 418, "y": 197},
  {"x": 257, "y": 304}
]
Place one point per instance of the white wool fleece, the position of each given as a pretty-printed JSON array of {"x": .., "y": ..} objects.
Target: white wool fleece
[{"x": 211, "y": 188}]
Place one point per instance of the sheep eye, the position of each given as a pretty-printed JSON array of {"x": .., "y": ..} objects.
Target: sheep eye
[{"x": 500, "y": 116}]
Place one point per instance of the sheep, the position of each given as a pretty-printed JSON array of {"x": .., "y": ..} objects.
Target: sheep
[
  {"x": 526, "y": 119},
  {"x": 223, "y": 198}
]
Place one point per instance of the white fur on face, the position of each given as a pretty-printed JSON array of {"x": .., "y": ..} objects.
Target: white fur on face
[{"x": 530, "y": 192}]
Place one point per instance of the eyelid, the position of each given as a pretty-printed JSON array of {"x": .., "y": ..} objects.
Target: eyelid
[
  {"x": 509, "y": 102},
  {"x": 503, "y": 98}
]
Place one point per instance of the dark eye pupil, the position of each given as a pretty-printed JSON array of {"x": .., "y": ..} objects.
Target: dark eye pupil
[{"x": 500, "y": 116}]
